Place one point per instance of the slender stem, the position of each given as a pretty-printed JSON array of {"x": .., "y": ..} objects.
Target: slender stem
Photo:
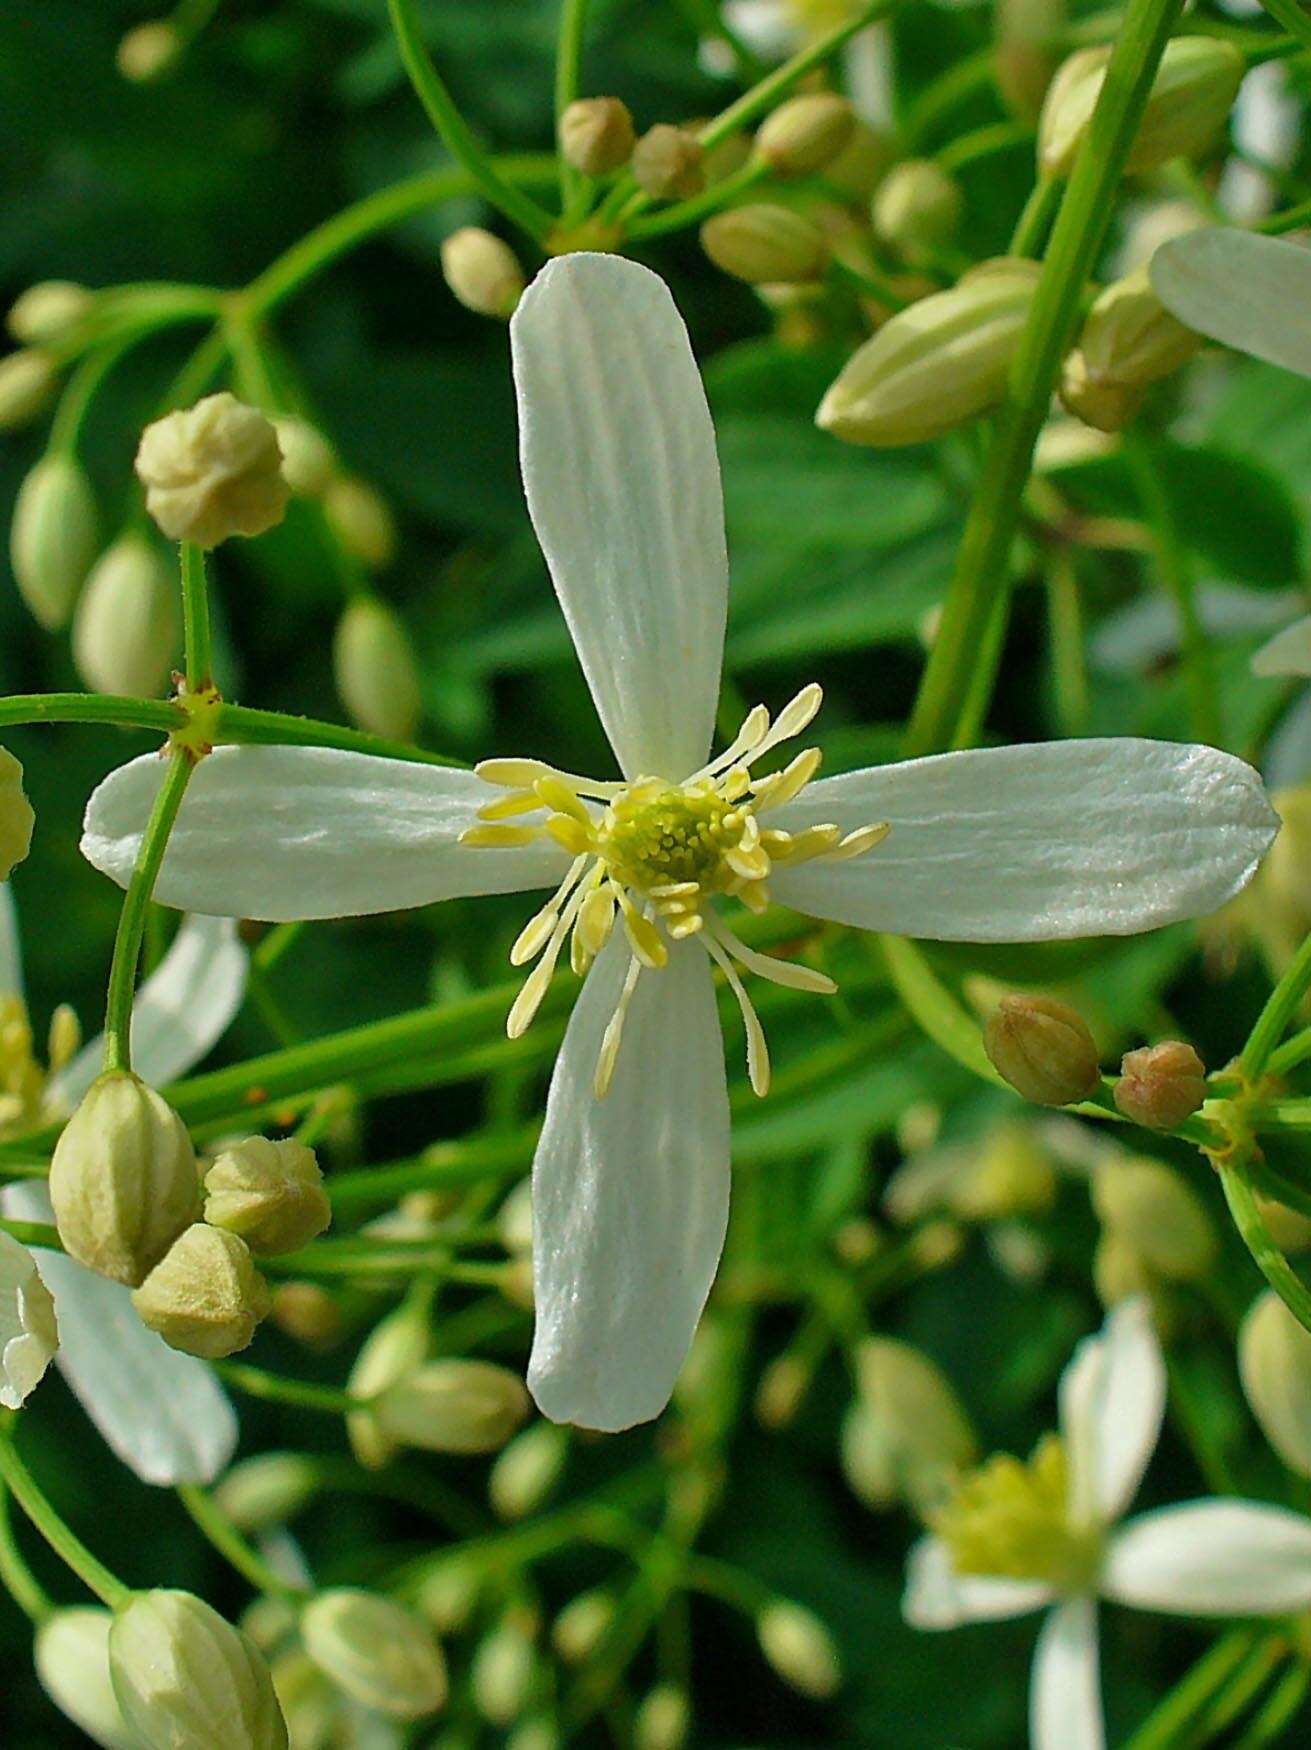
[
  {"x": 249, "y": 727},
  {"x": 1255, "y": 1235},
  {"x": 231, "y": 1545},
  {"x": 1278, "y": 1709},
  {"x": 84, "y": 385},
  {"x": 1065, "y": 638},
  {"x": 710, "y": 200},
  {"x": 257, "y": 1382},
  {"x": 568, "y": 74},
  {"x": 1035, "y": 221},
  {"x": 1271, "y": 1023},
  {"x": 1166, "y": 1726},
  {"x": 68, "y": 1547},
  {"x": 983, "y": 142},
  {"x": 33, "y": 1233},
  {"x": 195, "y": 618},
  {"x": 1296, "y": 1050},
  {"x": 1293, "y": 18},
  {"x": 18, "y": 1579},
  {"x": 90, "y": 708}
]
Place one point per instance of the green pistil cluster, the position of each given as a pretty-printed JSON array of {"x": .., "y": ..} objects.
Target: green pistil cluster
[
  {"x": 673, "y": 835},
  {"x": 1011, "y": 1519}
]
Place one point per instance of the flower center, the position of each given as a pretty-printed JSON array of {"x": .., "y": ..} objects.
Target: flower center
[
  {"x": 656, "y": 835},
  {"x": 1011, "y": 1519}
]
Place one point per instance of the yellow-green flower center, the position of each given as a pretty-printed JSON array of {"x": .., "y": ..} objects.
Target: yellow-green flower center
[
  {"x": 656, "y": 836},
  {"x": 1011, "y": 1519}
]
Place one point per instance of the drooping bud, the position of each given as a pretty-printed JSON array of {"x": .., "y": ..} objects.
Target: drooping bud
[
  {"x": 271, "y": 1193},
  {"x": 935, "y": 365},
  {"x": 1161, "y": 1085},
  {"x": 908, "y": 1434},
  {"x": 52, "y": 540},
  {"x": 17, "y": 816},
  {"x": 1128, "y": 342},
  {"x": 1043, "y": 1048},
  {"x": 29, "y": 1334},
  {"x": 123, "y": 1178},
  {"x": 1274, "y": 1363},
  {"x": 527, "y": 1470},
  {"x": 577, "y": 1631},
  {"x": 663, "y": 1719},
  {"x": 483, "y": 272},
  {"x": 1027, "y": 37},
  {"x": 765, "y": 245},
  {"x": 1164, "y": 1220},
  {"x": 1119, "y": 1270},
  {"x": 502, "y": 1673},
  {"x": 359, "y": 516},
  {"x": 375, "y": 1651},
  {"x": 394, "y": 1348},
  {"x": 307, "y": 1312},
  {"x": 806, "y": 133},
  {"x": 205, "y": 1295},
  {"x": 454, "y": 1405},
  {"x": 669, "y": 164},
  {"x": 1194, "y": 88},
  {"x": 800, "y": 1649},
  {"x": 187, "y": 1680},
  {"x": 376, "y": 672},
  {"x": 308, "y": 462},
  {"x": 862, "y": 162},
  {"x": 267, "y": 1490},
  {"x": 212, "y": 471},
  {"x": 72, "y": 1662},
  {"x": 127, "y": 624},
  {"x": 148, "y": 51},
  {"x": 917, "y": 208},
  {"x": 45, "y": 312},
  {"x": 27, "y": 381},
  {"x": 596, "y": 135}
]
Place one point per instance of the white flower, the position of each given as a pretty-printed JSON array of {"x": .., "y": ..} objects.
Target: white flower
[
  {"x": 1053, "y": 1529},
  {"x": 630, "y": 1191},
  {"x": 29, "y": 1334}
]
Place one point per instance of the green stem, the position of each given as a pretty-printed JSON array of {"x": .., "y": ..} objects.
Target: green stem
[
  {"x": 90, "y": 708},
  {"x": 1293, "y": 18},
  {"x": 1168, "y": 1723},
  {"x": 68, "y": 1547},
  {"x": 18, "y": 1579},
  {"x": 84, "y": 385},
  {"x": 1255, "y": 1235},
  {"x": 252, "y": 728},
  {"x": 1034, "y": 222},
  {"x": 983, "y": 143},
  {"x": 231, "y": 1545},
  {"x": 33, "y": 1233},
  {"x": 1294, "y": 1051},
  {"x": 1272, "y": 1022},
  {"x": 195, "y": 618},
  {"x": 1065, "y": 639},
  {"x": 1278, "y": 1710},
  {"x": 258, "y": 1382},
  {"x": 710, "y": 200},
  {"x": 568, "y": 75}
]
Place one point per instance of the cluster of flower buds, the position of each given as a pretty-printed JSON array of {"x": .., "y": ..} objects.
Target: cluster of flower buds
[{"x": 1129, "y": 341}]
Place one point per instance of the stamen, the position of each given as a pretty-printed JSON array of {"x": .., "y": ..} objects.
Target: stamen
[
  {"x": 610, "y": 1041},
  {"x": 512, "y": 774},
  {"x": 781, "y": 787},
  {"x": 863, "y": 839},
  {"x": 534, "y": 987},
  {"x": 505, "y": 807},
  {"x": 800, "y": 847},
  {"x": 642, "y": 933},
  {"x": 499, "y": 837},
  {"x": 596, "y": 919},
  {"x": 572, "y": 834},
  {"x": 755, "y": 726},
  {"x": 562, "y": 799},
  {"x": 537, "y": 931},
  {"x": 757, "y": 1048},
  {"x": 789, "y": 973},
  {"x": 791, "y": 720}
]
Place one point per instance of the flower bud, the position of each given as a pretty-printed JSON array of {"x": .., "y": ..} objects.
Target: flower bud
[
  {"x": 52, "y": 539},
  {"x": 205, "y": 1296},
  {"x": 483, "y": 272},
  {"x": 310, "y": 1705},
  {"x": 27, "y": 381},
  {"x": 533, "y": 1735},
  {"x": 267, "y": 1490},
  {"x": 211, "y": 471},
  {"x": 1289, "y": 1228},
  {"x": 1043, "y": 1049},
  {"x": 669, "y": 164},
  {"x": 908, "y": 1431},
  {"x": 17, "y": 816},
  {"x": 596, "y": 135},
  {"x": 270, "y": 1193},
  {"x": 783, "y": 1385},
  {"x": 1195, "y": 85},
  {"x": 377, "y": 676},
  {"x": 917, "y": 208},
  {"x": 578, "y": 1629},
  {"x": 375, "y": 1651},
  {"x": 862, "y": 162},
  {"x": 1161, "y": 1085},
  {"x": 1119, "y": 1270},
  {"x": 1274, "y": 1363},
  {"x": 1149, "y": 1205},
  {"x": 307, "y": 1312},
  {"x": 1129, "y": 341},
  {"x": 765, "y": 245},
  {"x": 29, "y": 1334},
  {"x": 805, "y": 133},
  {"x": 126, "y": 625},
  {"x": 308, "y": 462},
  {"x": 358, "y": 515},
  {"x": 800, "y": 1649},
  {"x": 45, "y": 312},
  {"x": 514, "y": 1219},
  {"x": 935, "y": 365},
  {"x": 454, "y": 1405},
  {"x": 148, "y": 51},
  {"x": 1011, "y": 1174},
  {"x": 448, "y": 1596},
  {"x": 187, "y": 1680},
  {"x": 502, "y": 1673},
  {"x": 123, "y": 1178},
  {"x": 1027, "y": 34},
  {"x": 392, "y": 1351},
  {"x": 662, "y": 1719},
  {"x": 527, "y": 1470},
  {"x": 72, "y": 1662}
]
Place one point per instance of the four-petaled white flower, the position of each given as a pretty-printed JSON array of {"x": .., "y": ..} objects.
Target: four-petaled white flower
[
  {"x": 630, "y": 1191},
  {"x": 1017, "y": 1538}
]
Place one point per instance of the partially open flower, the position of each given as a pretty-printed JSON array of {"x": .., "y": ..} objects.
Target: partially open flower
[
  {"x": 211, "y": 471},
  {"x": 205, "y": 1296},
  {"x": 270, "y": 1193},
  {"x": 379, "y": 1653}
]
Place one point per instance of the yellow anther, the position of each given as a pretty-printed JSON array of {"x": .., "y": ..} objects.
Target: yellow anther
[
  {"x": 675, "y": 890},
  {"x": 596, "y": 920},
  {"x": 680, "y": 928},
  {"x": 557, "y": 795},
  {"x": 863, "y": 839},
  {"x": 783, "y": 786},
  {"x": 642, "y": 934},
  {"x": 534, "y": 936},
  {"x": 571, "y": 833},
  {"x": 65, "y": 1038},
  {"x": 752, "y": 866},
  {"x": 800, "y": 847},
  {"x": 499, "y": 837},
  {"x": 511, "y": 774},
  {"x": 506, "y": 807}
]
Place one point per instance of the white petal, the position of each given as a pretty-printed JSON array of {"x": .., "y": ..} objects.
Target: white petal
[
  {"x": 1065, "y": 1697},
  {"x": 622, "y": 479},
  {"x": 1036, "y": 843},
  {"x": 28, "y": 1335},
  {"x": 11, "y": 956},
  {"x": 1288, "y": 652},
  {"x": 296, "y": 832},
  {"x": 937, "y": 1596},
  {"x": 1213, "y": 1558},
  {"x": 768, "y": 27},
  {"x": 630, "y": 1194},
  {"x": 1250, "y": 292},
  {"x": 181, "y": 1010},
  {"x": 1112, "y": 1405}
]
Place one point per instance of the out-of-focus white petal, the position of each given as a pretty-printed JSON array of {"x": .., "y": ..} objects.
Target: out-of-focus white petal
[
  {"x": 1035, "y": 843},
  {"x": 1065, "y": 1698},
  {"x": 936, "y": 1596},
  {"x": 28, "y": 1333},
  {"x": 1212, "y": 1558},
  {"x": 768, "y": 27},
  {"x": 1112, "y": 1405},
  {"x": 1251, "y": 292},
  {"x": 1288, "y": 652},
  {"x": 11, "y": 953},
  {"x": 1287, "y": 761},
  {"x": 299, "y": 832},
  {"x": 1266, "y": 122},
  {"x": 622, "y": 479},
  {"x": 630, "y": 1194}
]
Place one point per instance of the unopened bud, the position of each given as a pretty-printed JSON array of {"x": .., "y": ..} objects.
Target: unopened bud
[
  {"x": 483, "y": 272},
  {"x": 211, "y": 471},
  {"x": 359, "y": 516},
  {"x": 310, "y": 1705},
  {"x": 765, "y": 245},
  {"x": 123, "y": 1178},
  {"x": 52, "y": 540},
  {"x": 1012, "y": 1175},
  {"x": 448, "y": 1596},
  {"x": 1274, "y": 1362},
  {"x": 17, "y": 817},
  {"x": 1043, "y": 1049},
  {"x": 806, "y": 133},
  {"x": 514, "y": 1219},
  {"x": 376, "y": 672},
  {"x": 72, "y": 1662},
  {"x": 669, "y": 164},
  {"x": 45, "y": 312},
  {"x": 377, "y": 1652},
  {"x": 270, "y": 1193},
  {"x": 663, "y": 1719},
  {"x": 936, "y": 365},
  {"x": 800, "y": 1649},
  {"x": 1151, "y": 1206},
  {"x": 126, "y": 625},
  {"x": 1161, "y": 1085},
  {"x": 1119, "y": 1270},
  {"x": 454, "y": 1405},
  {"x": 308, "y": 462},
  {"x": 27, "y": 381},
  {"x": 527, "y": 1470},
  {"x": 596, "y": 135},
  {"x": 1194, "y": 88},
  {"x": 148, "y": 51},
  {"x": 188, "y": 1680},
  {"x": 394, "y": 1348},
  {"x": 267, "y": 1490},
  {"x": 205, "y": 1295},
  {"x": 306, "y": 1312},
  {"x": 1129, "y": 341},
  {"x": 502, "y": 1673},
  {"x": 577, "y": 1631},
  {"x": 862, "y": 162},
  {"x": 917, "y": 208},
  {"x": 1289, "y": 1228},
  {"x": 782, "y": 1389},
  {"x": 1028, "y": 34},
  {"x": 908, "y": 1432}
]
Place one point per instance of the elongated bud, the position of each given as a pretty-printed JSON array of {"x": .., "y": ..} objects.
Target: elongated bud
[
  {"x": 267, "y": 1490},
  {"x": 308, "y": 462},
  {"x": 483, "y": 272},
  {"x": 307, "y": 1312},
  {"x": 1027, "y": 35},
  {"x": 27, "y": 1324},
  {"x": 127, "y": 624},
  {"x": 1194, "y": 88},
  {"x": 1043, "y": 1048},
  {"x": 1274, "y": 1363},
  {"x": 800, "y": 1649},
  {"x": 577, "y": 1631},
  {"x": 123, "y": 1178},
  {"x": 514, "y": 1219},
  {"x": 72, "y": 1662},
  {"x": 502, "y": 1674},
  {"x": 377, "y": 675},
  {"x": 1120, "y": 1270},
  {"x": 52, "y": 539},
  {"x": 359, "y": 516},
  {"x": 1129, "y": 341},
  {"x": 1161, "y": 1085},
  {"x": 806, "y": 133},
  {"x": 187, "y": 1680},
  {"x": 448, "y": 1596},
  {"x": 596, "y": 135},
  {"x": 863, "y": 161},
  {"x": 45, "y": 312},
  {"x": 1012, "y": 1175},
  {"x": 392, "y": 1351},
  {"x": 310, "y": 1705},
  {"x": 376, "y": 1651},
  {"x": 148, "y": 51},
  {"x": 908, "y": 1433},
  {"x": 27, "y": 381},
  {"x": 270, "y": 1193},
  {"x": 1289, "y": 1228},
  {"x": 936, "y": 365},
  {"x": 212, "y": 471},
  {"x": 765, "y": 245},
  {"x": 17, "y": 817},
  {"x": 454, "y": 1406},
  {"x": 1149, "y": 1205},
  {"x": 205, "y": 1295},
  {"x": 526, "y": 1472},
  {"x": 917, "y": 208},
  {"x": 669, "y": 164},
  {"x": 663, "y": 1719}
]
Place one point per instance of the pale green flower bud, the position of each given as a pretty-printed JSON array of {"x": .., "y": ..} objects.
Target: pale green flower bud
[
  {"x": 1129, "y": 341},
  {"x": 72, "y": 1662},
  {"x": 270, "y": 1622},
  {"x": 596, "y": 135},
  {"x": 1274, "y": 1362},
  {"x": 448, "y": 1596},
  {"x": 1043, "y": 1048},
  {"x": 359, "y": 516},
  {"x": 935, "y": 365},
  {"x": 375, "y": 1651},
  {"x": 211, "y": 471},
  {"x": 307, "y": 1312},
  {"x": 270, "y": 1193},
  {"x": 45, "y": 312},
  {"x": 308, "y": 462},
  {"x": 123, "y": 1178},
  {"x": 52, "y": 539},
  {"x": 376, "y": 671},
  {"x": 205, "y": 1296},
  {"x": 502, "y": 1673},
  {"x": 861, "y": 163},
  {"x": 1027, "y": 36},
  {"x": 1149, "y": 1205},
  {"x": 127, "y": 622},
  {"x": 392, "y": 1351},
  {"x": 806, "y": 133},
  {"x": 454, "y": 1405},
  {"x": 782, "y": 1390},
  {"x": 187, "y": 1680},
  {"x": 765, "y": 245},
  {"x": 908, "y": 1433},
  {"x": 917, "y": 208},
  {"x": 1011, "y": 1175},
  {"x": 310, "y": 1705},
  {"x": 800, "y": 1649},
  {"x": 577, "y": 1631},
  {"x": 514, "y": 1219},
  {"x": 148, "y": 51},
  {"x": 17, "y": 816},
  {"x": 27, "y": 381},
  {"x": 1289, "y": 1228},
  {"x": 527, "y": 1470},
  {"x": 1119, "y": 1269},
  {"x": 267, "y": 1490},
  {"x": 663, "y": 1719},
  {"x": 483, "y": 272},
  {"x": 1161, "y": 1085},
  {"x": 533, "y": 1735},
  {"x": 669, "y": 163}
]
